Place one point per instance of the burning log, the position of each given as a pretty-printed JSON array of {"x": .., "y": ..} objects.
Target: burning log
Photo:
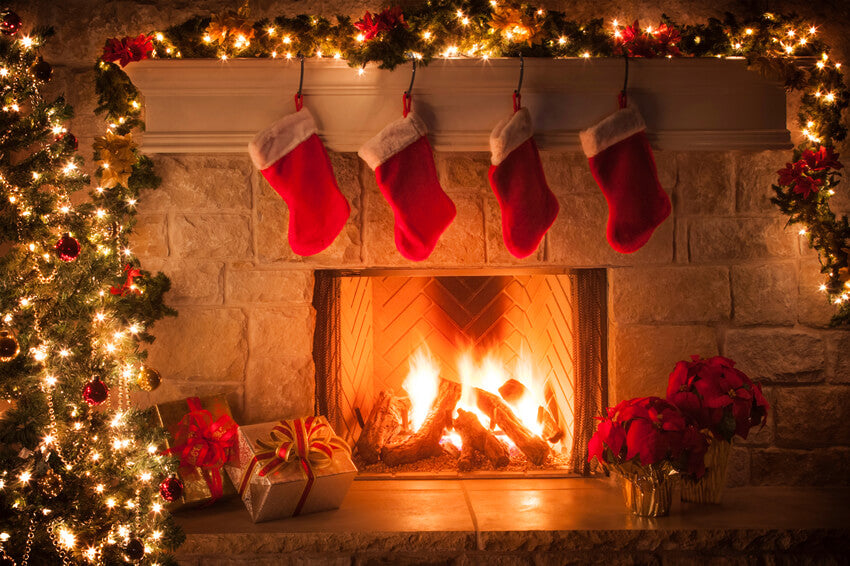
[
  {"x": 476, "y": 437},
  {"x": 535, "y": 448},
  {"x": 551, "y": 431},
  {"x": 512, "y": 391},
  {"x": 387, "y": 419},
  {"x": 425, "y": 442}
]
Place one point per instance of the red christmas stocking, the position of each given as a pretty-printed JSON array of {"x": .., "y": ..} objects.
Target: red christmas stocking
[
  {"x": 294, "y": 161},
  {"x": 622, "y": 164},
  {"x": 404, "y": 167},
  {"x": 528, "y": 206}
]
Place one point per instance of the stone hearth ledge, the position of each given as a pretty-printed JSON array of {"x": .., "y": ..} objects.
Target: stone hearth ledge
[{"x": 530, "y": 521}]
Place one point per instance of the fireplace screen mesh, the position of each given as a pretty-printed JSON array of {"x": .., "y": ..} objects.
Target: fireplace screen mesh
[{"x": 533, "y": 343}]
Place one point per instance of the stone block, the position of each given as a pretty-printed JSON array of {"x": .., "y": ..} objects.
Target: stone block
[
  {"x": 765, "y": 294},
  {"x": 497, "y": 253},
  {"x": 201, "y": 344},
  {"x": 807, "y": 417},
  {"x": 201, "y": 183},
  {"x": 705, "y": 183},
  {"x": 462, "y": 244},
  {"x": 248, "y": 285},
  {"x": 212, "y": 236},
  {"x": 823, "y": 466},
  {"x": 150, "y": 236},
  {"x": 667, "y": 164},
  {"x": 755, "y": 172},
  {"x": 643, "y": 356},
  {"x": 723, "y": 239},
  {"x": 278, "y": 388},
  {"x": 813, "y": 306},
  {"x": 464, "y": 171},
  {"x": 281, "y": 332},
  {"x": 838, "y": 346},
  {"x": 567, "y": 172},
  {"x": 669, "y": 294},
  {"x": 577, "y": 238},
  {"x": 738, "y": 470},
  {"x": 195, "y": 282},
  {"x": 271, "y": 224},
  {"x": 777, "y": 355}
]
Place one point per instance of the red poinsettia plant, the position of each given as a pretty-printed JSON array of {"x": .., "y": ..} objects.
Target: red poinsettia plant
[
  {"x": 812, "y": 171},
  {"x": 127, "y": 49},
  {"x": 650, "y": 42},
  {"x": 385, "y": 21},
  {"x": 648, "y": 435},
  {"x": 719, "y": 397}
]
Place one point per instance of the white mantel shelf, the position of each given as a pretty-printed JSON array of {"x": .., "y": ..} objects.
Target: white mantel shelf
[{"x": 198, "y": 106}]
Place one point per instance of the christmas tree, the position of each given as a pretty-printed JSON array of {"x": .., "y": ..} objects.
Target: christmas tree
[{"x": 82, "y": 476}]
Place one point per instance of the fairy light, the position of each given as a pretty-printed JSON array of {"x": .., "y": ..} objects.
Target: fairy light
[
  {"x": 287, "y": 40},
  {"x": 27, "y": 42},
  {"x": 90, "y": 553},
  {"x": 223, "y": 57},
  {"x": 361, "y": 38},
  {"x": 748, "y": 31},
  {"x": 586, "y": 55},
  {"x": 156, "y": 508},
  {"x": 274, "y": 54},
  {"x": 271, "y": 31},
  {"x": 69, "y": 168},
  {"x": 822, "y": 288},
  {"x": 4, "y": 72},
  {"x": 110, "y": 503},
  {"x": 207, "y": 38},
  {"x": 464, "y": 21},
  {"x": 151, "y": 449},
  {"x": 67, "y": 538},
  {"x": 562, "y": 40},
  {"x": 426, "y": 35},
  {"x": 829, "y": 97},
  {"x": 25, "y": 476},
  {"x": 802, "y": 232},
  {"x": 159, "y": 36},
  {"x": 361, "y": 71}
]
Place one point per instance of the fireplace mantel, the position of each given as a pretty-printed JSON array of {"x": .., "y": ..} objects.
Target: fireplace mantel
[{"x": 196, "y": 106}]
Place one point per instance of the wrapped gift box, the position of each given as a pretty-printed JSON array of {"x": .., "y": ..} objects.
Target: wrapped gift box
[
  {"x": 197, "y": 482},
  {"x": 291, "y": 468}
]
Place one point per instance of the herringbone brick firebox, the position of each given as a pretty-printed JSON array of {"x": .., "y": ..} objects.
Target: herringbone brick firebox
[{"x": 537, "y": 328}]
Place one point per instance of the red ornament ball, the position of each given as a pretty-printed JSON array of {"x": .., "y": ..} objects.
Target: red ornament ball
[
  {"x": 67, "y": 248},
  {"x": 171, "y": 488},
  {"x": 95, "y": 392},
  {"x": 134, "y": 550},
  {"x": 10, "y": 23},
  {"x": 70, "y": 141},
  {"x": 42, "y": 70}
]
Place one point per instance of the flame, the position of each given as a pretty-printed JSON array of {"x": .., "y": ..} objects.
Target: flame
[
  {"x": 421, "y": 385},
  {"x": 489, "y": 373}
]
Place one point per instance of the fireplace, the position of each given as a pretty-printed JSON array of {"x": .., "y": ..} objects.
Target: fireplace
[{"x": 442, "y": 372}]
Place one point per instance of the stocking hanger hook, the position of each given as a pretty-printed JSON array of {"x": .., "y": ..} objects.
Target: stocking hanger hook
[
  {"x": 412, "y": 78},
  {"x": 623, "y": 97},
  {"x": 517, "y": 95},
  {"x": 299, "y": 97},
  {"x": 407, "y": 97}
]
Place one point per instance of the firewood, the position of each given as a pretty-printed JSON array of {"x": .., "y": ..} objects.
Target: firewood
[
  {"x": 425, "y": 442},
  {"x": 512, "y": 390},
  {"x": 551, "y": 431},
  {"x": 535, "y": 448},
  {"x": 387, "y": 419},
  {"x": 476, "y": 437}
]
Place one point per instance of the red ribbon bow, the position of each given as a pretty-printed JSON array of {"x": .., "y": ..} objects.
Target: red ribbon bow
[
  {"x": 128, "y": 286},
  {"x": 205, "y": 442},
  {"x": 310, "y": 441}
]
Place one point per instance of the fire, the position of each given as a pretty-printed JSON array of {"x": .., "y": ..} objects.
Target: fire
[
  {"x": 421, "y": 385},
  {"x": 489, "y": 372}
]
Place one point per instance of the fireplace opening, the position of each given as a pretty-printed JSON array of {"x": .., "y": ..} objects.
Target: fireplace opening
[{"x": 446, "y": 373}]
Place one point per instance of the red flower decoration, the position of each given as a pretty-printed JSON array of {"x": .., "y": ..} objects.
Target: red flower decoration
[
  {"x": 660, "y": 42},
  {"x": 717, "y": 396},
  {"x": 648, "y": 430},
  {"x": 128, "y": 49},
  {"x": 809, "y": 173},
  {"x": 385, "y": 21}
]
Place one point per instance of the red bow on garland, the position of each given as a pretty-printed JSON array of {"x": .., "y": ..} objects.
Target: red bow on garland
[
  {"x": 204, "y": 442},
  {"x": 310, "y": 441},
  {"x": 128, "y": 286}
]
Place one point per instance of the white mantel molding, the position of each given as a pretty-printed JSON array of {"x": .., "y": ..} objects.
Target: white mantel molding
[{"x": 195, "y": 106}]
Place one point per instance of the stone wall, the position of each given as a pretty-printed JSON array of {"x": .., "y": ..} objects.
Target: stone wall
[{"x": 721, "y": 275}]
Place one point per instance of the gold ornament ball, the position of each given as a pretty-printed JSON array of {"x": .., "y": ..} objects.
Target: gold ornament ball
[
  {"x": 149, "y": 379},
  {"x": 9, "y": 347},
  {"x": 50, "y": 483}
]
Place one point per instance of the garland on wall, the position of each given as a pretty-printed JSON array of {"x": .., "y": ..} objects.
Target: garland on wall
[{"x": 783, "y": 47}]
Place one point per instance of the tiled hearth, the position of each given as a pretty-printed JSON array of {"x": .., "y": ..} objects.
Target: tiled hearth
[{"x": 532, "y": 522}]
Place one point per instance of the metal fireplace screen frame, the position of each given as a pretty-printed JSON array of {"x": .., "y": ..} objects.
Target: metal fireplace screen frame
[{"x": 335, "y": 349}]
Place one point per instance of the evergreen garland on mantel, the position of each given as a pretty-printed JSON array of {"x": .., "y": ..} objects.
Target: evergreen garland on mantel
[{"x": 780, "y": 46}]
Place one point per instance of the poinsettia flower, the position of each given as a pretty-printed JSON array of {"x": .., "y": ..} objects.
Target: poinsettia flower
[
  {"x": 806, "y": 186},
  {"x": 823, "y": 158},
  {"x": 644, "y": 441},
  {"x": 368, "y": 26},
  {"x": 385, "y": 21},
  {"x": 635, "y": 42},
  {"x": 127, "y": 49}
]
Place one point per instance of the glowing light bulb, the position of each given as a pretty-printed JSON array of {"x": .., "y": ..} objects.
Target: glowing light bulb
[
  {"x": 27, "y": 42},
  {"x": 67, "y": 538},
  {"x": 271, "y": 30},
  {"x": 586, "y": 55},
  {"x": 207, "y": 39},
  {"x": 159, "y": 36},
  {"x": 562, "y": 40},
  {"x": 287, "y": 40},
  {"x": 25, "y": 476},
  {"x": 110, "y": 503},
  {"x": 802, "y": 232},
  {"x": 361, "y": 38},
  {"x": 748, "y": 31},
  {"x": 361, "y": 71}
]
